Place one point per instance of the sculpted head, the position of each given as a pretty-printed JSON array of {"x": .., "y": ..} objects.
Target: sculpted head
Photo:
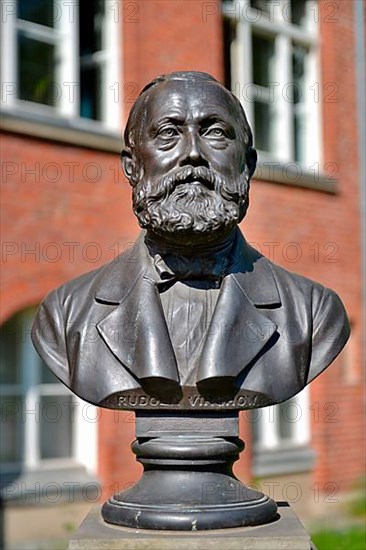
[{"x": 189, "y": 158}]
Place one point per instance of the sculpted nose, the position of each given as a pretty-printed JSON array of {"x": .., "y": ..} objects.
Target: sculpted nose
[{"x": 192, "y": 154}]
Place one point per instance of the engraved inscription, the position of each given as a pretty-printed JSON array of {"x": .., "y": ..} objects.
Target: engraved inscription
[{"x": 190, "y": 402}]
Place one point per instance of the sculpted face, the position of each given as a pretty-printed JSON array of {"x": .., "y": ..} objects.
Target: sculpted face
[{"x": 191, "y": 162}]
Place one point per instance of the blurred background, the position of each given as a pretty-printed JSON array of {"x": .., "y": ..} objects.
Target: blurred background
[{"x": 71, "y": 70}]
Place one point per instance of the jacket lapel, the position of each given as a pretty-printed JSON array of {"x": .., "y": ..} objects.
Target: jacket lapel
[
  {"x": 239, "y": 330},
  {"x": 135, "y": 331}
]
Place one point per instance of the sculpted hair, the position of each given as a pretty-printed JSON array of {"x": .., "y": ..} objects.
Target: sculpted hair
[{"x": 137, "y": 116}]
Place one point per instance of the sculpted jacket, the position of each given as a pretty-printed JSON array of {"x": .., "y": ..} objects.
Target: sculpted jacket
[{"x": 272, "y": 331}]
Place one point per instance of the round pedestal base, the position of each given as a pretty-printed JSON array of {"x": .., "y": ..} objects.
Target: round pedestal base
[
  {"x": 188, "y": 485},
  {"x": 179, "y": 518}
]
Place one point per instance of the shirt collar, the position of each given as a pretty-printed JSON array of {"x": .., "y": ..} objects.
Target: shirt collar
[
  {"x": 253, "y": 272},
  {"x": 211, "y": 264}
]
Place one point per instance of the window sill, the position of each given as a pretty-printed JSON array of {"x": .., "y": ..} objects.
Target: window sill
[
  {"x": 49, "y": 486},
  {"x": 79, "y": 132},
  {"x": 282, "y": 461},
  {"x": 292, "y": 173}
]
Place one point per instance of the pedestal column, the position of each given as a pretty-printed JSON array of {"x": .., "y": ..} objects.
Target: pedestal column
[{"x": 188, "y": 483}]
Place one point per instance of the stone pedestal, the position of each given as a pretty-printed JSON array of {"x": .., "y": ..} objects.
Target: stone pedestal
[
  {"x": 188, "y": 483},
  {"x": 285, "y": 533}
]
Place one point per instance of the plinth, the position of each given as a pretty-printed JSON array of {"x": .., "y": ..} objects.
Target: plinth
[{"x": 285, "y": 533}]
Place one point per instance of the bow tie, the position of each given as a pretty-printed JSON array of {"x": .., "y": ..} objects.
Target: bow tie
[
  {"x": 179, "y": 268},
  {"x": 206, "y": 268}
]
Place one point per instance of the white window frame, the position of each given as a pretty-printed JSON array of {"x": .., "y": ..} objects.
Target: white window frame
[
  {"x": 269, "y": 424},
  {"x": 249, "y": 20},
  {"x": 273, "y": 454},
  {"x": 65, "y": 37},
  {"x": 83, "y": 422}
]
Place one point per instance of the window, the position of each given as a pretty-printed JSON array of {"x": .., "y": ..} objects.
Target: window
[
  {"x": 281, "y": 435},
  {"x": 272, "y": 53},
  {"x": 61, "y": 58},
  {"x": 43, "y": 424}
]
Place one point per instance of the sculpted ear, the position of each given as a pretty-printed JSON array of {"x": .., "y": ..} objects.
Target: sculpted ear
[
  {"x": 127, "y": 163},
  {"x": 130, "y": 165},
  {"x": 251, "y": 160}
]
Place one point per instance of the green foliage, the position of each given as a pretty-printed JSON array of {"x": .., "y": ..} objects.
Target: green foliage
[
  {"x": 358, "y": 503},
  {"x": 347, "y": 539}
]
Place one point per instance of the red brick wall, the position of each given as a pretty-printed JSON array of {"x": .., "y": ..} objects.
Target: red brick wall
[
  {"x": 164, "y": 36},
  {"x": 86, "y": 203},
  {"x": 170, "y": 36},
  {"x": 327, "y": 229},
  {"x": 339, "y": 444}
]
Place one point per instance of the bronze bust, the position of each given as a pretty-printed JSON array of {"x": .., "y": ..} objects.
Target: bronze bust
[
  {"x": 192, "y": 315},
  {"x": 192, "y": 323}
]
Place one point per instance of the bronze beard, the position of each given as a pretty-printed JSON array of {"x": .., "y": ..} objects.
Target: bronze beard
[{"x": 191, "y": 200}]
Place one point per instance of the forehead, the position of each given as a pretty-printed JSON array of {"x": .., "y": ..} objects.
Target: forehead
[{"x": 194, "y": 98}]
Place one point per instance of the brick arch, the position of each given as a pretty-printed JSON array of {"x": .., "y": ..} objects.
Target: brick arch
[{"x": 21, "y": 294}]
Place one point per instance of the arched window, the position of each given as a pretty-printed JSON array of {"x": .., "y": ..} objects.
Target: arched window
[{"x": 44, "y": 426}]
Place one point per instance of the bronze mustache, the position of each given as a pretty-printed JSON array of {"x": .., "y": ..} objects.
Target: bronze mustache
[{"x": 190, "y": 174}]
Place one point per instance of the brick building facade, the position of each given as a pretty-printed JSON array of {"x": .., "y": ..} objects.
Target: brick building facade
[{"x": 67, "y": 210}]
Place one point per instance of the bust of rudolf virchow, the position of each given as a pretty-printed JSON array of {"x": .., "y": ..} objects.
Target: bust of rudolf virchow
[{"x": 191, "y": 315}]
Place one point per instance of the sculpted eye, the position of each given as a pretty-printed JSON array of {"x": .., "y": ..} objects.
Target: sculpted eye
[
  {"x": 215, "y": 132},
  {"x": 168, "y": 132}
]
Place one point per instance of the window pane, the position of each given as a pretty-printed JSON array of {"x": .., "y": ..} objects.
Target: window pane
[
  {"x": 263, "y": 53},
  {"x": 255, "y": 416},
  {"x": 56, "y": 426},
  {"x": 91, "y": 21},
  {"x": 299, "y": 137},
  {"x": 92, "y": 16},
  {"x": 36, "y": 64},
  {"x": 10, "y": 340},
  {"x": 298, "y": 12},
  {"x": 288, "y": 414},
  {"x": 37, "y": 11},
  {"x": 263, "y": 123},
  {"x": 90, "y": 92},
  {"x": 47, "y": 376},
  {"x": 299, "y": 54},
  {"x": 11, "y": 429},
  {"x": 261, "y": 5}
]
